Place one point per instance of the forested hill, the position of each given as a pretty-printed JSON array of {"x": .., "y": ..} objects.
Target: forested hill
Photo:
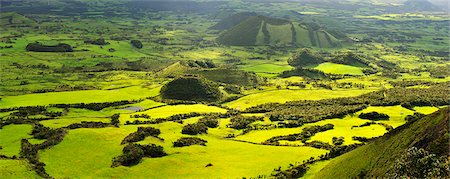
[{"x": 377, "y": 158}]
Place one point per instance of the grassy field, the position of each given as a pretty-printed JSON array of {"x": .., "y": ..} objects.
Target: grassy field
[
  {"x": 166, "y": 111},
  {"x": 86, "y": 96},
  {"x": 245, "y": 160},
  {"x": 11, "y": 136},
  {"x": 397, "y": 114},
  {"x": 339, "y": 69},
  {"x": 282, "y": 96},
  {"x": 11, "y": 169}
]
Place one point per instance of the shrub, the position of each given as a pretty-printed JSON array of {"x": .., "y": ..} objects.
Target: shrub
[
  {"x": 133, "y": 153},
  {"x": 375, "y": 116},
  {"x": 141, "y": 134},
  {"x": 115, "y": 120},
  {"x": 188, "y": 141},
  {"x": 242, "y": 122},
  {"x": 338, "y": 140},
  {"x": 209, "y": 122},
  {"x": 100, "y": 41},
  {"x": 137, "y": 44},
  {"x": 194, "y": 129},
  {"x": 153, "y": 151}
]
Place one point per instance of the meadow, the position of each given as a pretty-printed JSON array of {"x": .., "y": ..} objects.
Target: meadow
[{"x": 69, "y": 114}]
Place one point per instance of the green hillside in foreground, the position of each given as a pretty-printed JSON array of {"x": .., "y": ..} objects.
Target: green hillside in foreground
[
  {"x": 377, "y": 158},
  {"x": 262, "y": 30}
]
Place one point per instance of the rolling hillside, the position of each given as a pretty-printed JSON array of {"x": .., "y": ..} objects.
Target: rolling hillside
[
  {"x": 250, "y": 29},
  {"x": 376, "y": 158}
]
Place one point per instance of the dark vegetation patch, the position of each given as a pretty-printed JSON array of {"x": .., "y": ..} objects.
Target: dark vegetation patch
[
  {"x": 243, "y": 122},
  {"x": 304, "y": 58},
  {"x": 99, "y": 41},
  {"x": 188, "y": 141},
  {"x": 374, "y": 116},
  {"x": 305, "y": 135},
  {"x": 305, "y": 72},
  {"x": 30, "y": 151},
  {"x": 96, "y": 106},
  {"x": 38, "y": 47},
  {"x": 338, "y": 140},
  {"x": 230, "y": 76},
  {"x": 350, "y": 59},
  {"x": 28, "y": 115},
  {"x": 191, "y": 89},
  {"x": 85, "y": 124},
  {"x": 194, "y": 129},
  {"x": 133, "y": 154},
  {"x": 209, "y": 121},
  {"x": 199, "y": 64},
  {"x": 137, "y": 44},
  {"x": 141, "y": 134}
]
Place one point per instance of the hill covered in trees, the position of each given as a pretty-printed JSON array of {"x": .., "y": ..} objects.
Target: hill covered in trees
[
  {"x": 248, "y": 29},
  {"x": 387, "y": 154},
  {"x": 192, "y": 89}
]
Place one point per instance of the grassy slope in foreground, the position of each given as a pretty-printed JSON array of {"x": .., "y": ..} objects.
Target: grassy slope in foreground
[{"x": 377, "y": 157}]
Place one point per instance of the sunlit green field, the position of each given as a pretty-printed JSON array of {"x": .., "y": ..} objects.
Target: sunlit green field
[
  {"x": 282, "y": 96},
  {"x": 11, "y": 136},
  {"x": 11, "y": 169},
  {"x": 244, "y": 160},
  {"x": 339, "y": 69},
  {"x": 87, "y": 96}
]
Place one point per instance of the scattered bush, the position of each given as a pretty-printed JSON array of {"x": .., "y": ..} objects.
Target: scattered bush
[
  {"x": 188, "y": 141},
  {"x": 137, "y": 44},
  {"x": 194, "y": 129},
  {"x": 210, "y": 122},
  {"x": 242, "y": 122},
  {"x": 338, "y": 140},
  {"x": 306, "y": 134},
  {"x": 115, "y": 120},
  {"x": 100, "y": 41},
  {"x": 375, "y": 116},
  {"x": 133, "y": 153},
  {"x": 141, "y": 134}
]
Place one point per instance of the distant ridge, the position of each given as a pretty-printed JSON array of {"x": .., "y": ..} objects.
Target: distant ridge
[{"x": 250, "y": 29}]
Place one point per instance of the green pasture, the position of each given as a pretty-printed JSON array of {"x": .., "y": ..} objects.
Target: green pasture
[
  {"x": 11, "y": 136},
  {"x": 229, "y": 158},
  {"x": 282, "y": 96},
  {"x": 339, "y": 69},
  {"x": 86, "y": 96}
]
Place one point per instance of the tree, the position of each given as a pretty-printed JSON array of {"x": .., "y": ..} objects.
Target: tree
[
  {"x": 137, "y": 44},
  {"x": 115, "y": 120}
]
